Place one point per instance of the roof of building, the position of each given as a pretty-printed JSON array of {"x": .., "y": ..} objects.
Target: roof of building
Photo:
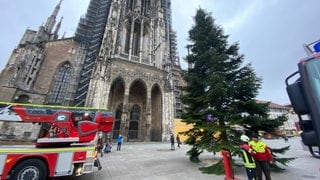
[{"x": 274, "y": 105}]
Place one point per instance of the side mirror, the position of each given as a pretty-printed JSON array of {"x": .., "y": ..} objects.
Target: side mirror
[{"x": 296, "y": 96}]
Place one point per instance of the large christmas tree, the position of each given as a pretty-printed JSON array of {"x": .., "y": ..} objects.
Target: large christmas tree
[{"x": 220, "y": 92}]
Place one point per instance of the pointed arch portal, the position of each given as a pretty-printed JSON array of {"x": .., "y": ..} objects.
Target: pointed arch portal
[
  {"x": 137, "y": 110},
  {"x": 156, "y": 114},
  {"x": 116, "y": 97}
]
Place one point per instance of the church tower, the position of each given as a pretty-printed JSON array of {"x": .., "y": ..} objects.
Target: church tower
[
  {"x": 123, "y": 57},
  {"x": 132, "y": 66},
  {"x": 43, "y": 69}
]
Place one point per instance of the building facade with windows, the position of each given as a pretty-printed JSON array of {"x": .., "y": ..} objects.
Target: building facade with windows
[{"x": 275, "y": 110}]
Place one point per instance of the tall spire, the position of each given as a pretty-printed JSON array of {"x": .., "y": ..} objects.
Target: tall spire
[
  {"x": 52, "y": 19},
  {"x": 55, "y": 34}
]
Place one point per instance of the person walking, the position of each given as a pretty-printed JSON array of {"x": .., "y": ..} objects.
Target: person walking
[
  {"x": 172, "y": 142},
  {"x": 262, "y": 157},
  {"x": 119, "y": 141},
  {"x": 247, "y": 155},
  {"x": 178, "y": 140}
]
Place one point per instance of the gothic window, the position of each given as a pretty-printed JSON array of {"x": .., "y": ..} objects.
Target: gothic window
[
  {"x": 29, "y": 81},
  {"x": 135, "y": 113},
  {"x": 136, "y": 40},
  {"x": 130, "y": 4},
  {"x": 145, "y": 6},
  {"x": 37, "y": 61},
  {"x": 62, "y": 79},
  {"x": 127, "y": 45}
]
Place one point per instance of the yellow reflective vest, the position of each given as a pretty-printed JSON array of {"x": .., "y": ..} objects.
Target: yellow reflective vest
[
  {"x": 248, "y": 159},
  {"x": 262, "y": 151}
]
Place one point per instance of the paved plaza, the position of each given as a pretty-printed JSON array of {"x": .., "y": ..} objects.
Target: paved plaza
[{"x": 156, "y": 161}]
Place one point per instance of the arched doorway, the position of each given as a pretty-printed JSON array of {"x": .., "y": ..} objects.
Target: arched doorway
[
  {"x": 115, "y": 104},
  {"x": 137, "y": 104},
  {"x": 156, "y": 114}
]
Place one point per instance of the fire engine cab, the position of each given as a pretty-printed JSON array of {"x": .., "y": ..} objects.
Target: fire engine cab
[
  {"x": 65, "y": 145},
  {"x": 304, "y": 95}
]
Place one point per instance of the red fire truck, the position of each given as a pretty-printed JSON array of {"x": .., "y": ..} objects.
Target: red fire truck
[{"x": 65, "y": 144}]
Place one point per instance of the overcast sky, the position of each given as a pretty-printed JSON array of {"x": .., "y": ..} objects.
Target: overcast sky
[{"x": 270, "y": 32}]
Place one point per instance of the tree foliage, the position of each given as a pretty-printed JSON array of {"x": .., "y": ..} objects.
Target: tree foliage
[{"x": 220, "y": 92}]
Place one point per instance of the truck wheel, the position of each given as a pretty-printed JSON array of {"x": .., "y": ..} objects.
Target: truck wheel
[{"x": 31, "y": 169}]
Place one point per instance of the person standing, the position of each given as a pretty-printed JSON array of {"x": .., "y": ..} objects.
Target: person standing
[
  {"x": 172, "y": 141},
  {"x": 262, "y": 157},
  {"x": 119, "y": 141},
  {"x": 100, "y": 144},
  {"x": 108, "y": 147},
  {"x": 247, "y": 155},
  {"x": 178, "y": 140}
]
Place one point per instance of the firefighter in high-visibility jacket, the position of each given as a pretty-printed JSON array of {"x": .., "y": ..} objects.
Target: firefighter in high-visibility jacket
[
  {"x": 262, "y": 157},
  {"x": 247, "y": 155}
]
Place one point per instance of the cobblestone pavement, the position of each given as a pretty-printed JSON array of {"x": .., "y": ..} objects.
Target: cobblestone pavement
[{"x": 157, "y": 162}]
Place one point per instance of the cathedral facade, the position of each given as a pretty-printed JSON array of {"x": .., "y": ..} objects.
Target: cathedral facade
[{"x": 123, "y": 57}]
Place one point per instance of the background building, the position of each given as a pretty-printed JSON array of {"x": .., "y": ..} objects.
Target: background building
[
  {"x": 289, "y": 127},
  {"x": 123, "y": 57}
]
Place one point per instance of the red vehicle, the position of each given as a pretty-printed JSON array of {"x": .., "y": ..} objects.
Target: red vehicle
[{"x": 65, "y": 145}]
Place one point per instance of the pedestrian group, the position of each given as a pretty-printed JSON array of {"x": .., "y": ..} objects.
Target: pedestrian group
[{"x": 101, "y": 148}]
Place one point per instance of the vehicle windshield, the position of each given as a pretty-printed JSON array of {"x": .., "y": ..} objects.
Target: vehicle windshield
[{"x": 313, "y": 71}]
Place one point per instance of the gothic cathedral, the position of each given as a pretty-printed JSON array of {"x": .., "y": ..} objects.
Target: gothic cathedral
[{"x": 123, "y": 57}]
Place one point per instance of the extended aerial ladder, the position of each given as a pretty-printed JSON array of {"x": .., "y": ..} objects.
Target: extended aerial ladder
[
  {"x": 65, "y": 145},
  {"x": 62, "y": 125}
]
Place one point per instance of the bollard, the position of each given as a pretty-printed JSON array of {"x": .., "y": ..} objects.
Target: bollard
[{"x": 227, "y": 165}]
